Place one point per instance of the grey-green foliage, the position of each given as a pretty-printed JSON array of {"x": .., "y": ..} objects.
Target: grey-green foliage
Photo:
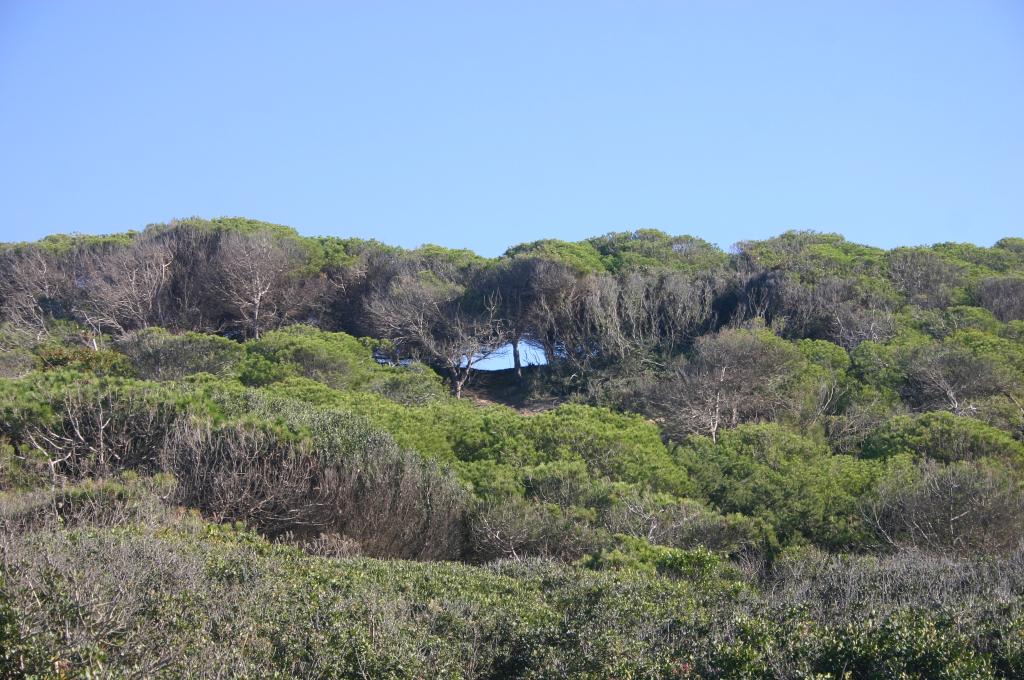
[
  {"x": 159, "y": 355},
  {"x": 205, "y": 601}
]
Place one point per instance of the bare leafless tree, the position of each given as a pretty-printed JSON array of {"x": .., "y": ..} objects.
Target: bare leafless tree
[
  {"x": 679, "y": 523},
  {"x": 923, "y": 276},
  {"x": 514, "y": 528},
  {"x": 94, "y": 431},
  {"x": 953, "y": 378},
  {"x": 441, "y": 322},
  {"x": 961, "y": 508},
  {"x": 123, "y": 288},
  {"x": 518, "y": 283},
  {"x": 260, "y": 281},
  {"x": 1003, "y": 296},
  {"x": 734, "y": 376},
  {"x": 34, "y": 287}
]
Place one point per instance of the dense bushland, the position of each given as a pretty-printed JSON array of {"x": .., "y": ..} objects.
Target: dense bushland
[{"x": 224, "y": 446}]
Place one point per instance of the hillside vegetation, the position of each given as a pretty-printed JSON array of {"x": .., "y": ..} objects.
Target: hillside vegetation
[{"x": 227, "y": 450}]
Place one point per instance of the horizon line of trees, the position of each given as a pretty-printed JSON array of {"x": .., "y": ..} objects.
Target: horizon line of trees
[{"x": 622, "y": 304}]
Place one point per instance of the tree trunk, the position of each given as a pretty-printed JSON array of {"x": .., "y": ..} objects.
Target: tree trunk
[
  {"x": 459, "y": 378},
  {"x": 256, "y": 318},
  {"x": 516, "y": 360}
]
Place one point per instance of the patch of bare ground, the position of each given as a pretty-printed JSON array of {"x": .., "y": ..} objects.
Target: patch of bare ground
[{"x": 488, "y": 388}]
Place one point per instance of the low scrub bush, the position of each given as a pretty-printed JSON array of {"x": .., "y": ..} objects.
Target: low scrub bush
[
  {"x": 195, "y": 602},
  {"x": 157, "y": 354},
  {"x": 389, "y": 502},
  {"x": 962, "y": 508}
]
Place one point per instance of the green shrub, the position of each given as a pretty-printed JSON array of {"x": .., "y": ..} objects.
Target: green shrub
[
  {"x": 636, "y": 554},
  {"x": 619, "y": 446},
  {"x": 907, "y": 645},
  {"x": 100, "y": 362},
  {"x": 194, "y": 600},
  {"x": 126, "y": 499},
  {"x": 945, "y": 437},
  {"x": 337, "y": 360},
  {"x": 159, "y": 355},
  {"x": 803, "y": 491}
]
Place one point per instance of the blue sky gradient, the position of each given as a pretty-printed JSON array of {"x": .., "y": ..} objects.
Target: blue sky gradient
[{"x": 483, "y": 125}]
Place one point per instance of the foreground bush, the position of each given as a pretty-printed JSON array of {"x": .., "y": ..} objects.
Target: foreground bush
[{"x": 202, "y": 601}]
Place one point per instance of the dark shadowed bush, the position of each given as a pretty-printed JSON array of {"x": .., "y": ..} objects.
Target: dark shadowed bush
[
  {"x": 343, "y": 479},
  {"x": 963, "y": 508}
]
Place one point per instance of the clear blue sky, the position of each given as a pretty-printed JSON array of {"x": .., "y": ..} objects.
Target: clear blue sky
[{"x": 486, "y": 124}]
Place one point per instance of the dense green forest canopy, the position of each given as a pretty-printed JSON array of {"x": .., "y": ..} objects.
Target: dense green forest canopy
[{"x": 801, "y": 458}]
